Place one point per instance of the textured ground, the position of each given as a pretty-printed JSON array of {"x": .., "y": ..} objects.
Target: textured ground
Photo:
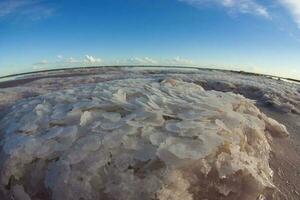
[{"x": 170, "y": 130}]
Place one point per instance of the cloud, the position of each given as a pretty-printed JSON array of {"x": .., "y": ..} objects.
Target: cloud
[
  {"x": 142, "y": 61},
  {"x": 31, "y": 9},
  {"x": 71, "y": 60},
  {"x": 43, "y": 62},
  {"x": 180, "y": 61},
  {"x": 87, "y": 60},
  {"x": 234, "y": 6},
  {"x": 60, "y": 61},
  {"x": 92, "y": 60},
  {"x": 40, "y": 65},
  {"x": 293, "y": 6},
  {"x": 59, "y": 57}
]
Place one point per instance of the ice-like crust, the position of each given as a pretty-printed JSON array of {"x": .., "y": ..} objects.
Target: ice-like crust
[
  {"x": 136, "y": 139},
  {"x": 279, "y": 94}
]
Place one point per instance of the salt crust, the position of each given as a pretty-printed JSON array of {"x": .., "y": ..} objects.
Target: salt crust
[{"x": 136, "y": 139}]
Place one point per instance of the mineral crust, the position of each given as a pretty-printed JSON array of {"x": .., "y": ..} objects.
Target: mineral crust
[{"x": 136, "y": 139}]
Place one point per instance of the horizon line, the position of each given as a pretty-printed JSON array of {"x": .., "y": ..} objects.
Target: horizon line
[{"x": 155, "y": 66}]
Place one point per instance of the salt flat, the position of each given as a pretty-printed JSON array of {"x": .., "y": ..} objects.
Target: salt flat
[{"x": 159, "y": 133}]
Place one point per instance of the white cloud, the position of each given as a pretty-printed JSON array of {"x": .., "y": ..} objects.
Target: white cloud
[
  {"x": 43, "y": 62},
  {"x": 238, "y": 6},
  {"x": 293, "y": 6},
  {"x": 62, "y": 61},
  {"x": 142, "y": 61},
  {"x": 180, "y": 61},
  {"x": 92, "y": 60},
  {"x": 59, "y": 57},
  {"x": 31, "y": 9},
  {"x": 149, "y": 60},
  {"x": 40, "y": 65},
  {"x": 8, "y": 7},
  {"x": 71, "y": 60}
]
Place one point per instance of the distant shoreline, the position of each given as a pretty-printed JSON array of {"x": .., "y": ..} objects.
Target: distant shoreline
[{"x": 146, "y": 66}]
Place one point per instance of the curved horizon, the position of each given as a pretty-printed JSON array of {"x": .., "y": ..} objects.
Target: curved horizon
[
  {"x": 254, "y": 36},
  {"x": 145, "y": 66}
]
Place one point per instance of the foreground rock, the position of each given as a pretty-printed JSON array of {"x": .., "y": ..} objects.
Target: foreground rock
[{"x": 136, "y": 139}]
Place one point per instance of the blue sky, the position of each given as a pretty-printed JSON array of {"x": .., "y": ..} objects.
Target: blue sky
[{"x": 258, "y": 36}]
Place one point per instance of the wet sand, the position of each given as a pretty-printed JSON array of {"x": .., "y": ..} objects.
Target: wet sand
[{"x": 285, "y": 158}]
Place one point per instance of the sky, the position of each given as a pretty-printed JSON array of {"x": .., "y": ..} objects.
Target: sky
[{"x": 250, "y": 35}]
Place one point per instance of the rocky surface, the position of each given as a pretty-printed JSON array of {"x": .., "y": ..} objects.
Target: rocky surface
[{"x": 142, "y": 136}]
